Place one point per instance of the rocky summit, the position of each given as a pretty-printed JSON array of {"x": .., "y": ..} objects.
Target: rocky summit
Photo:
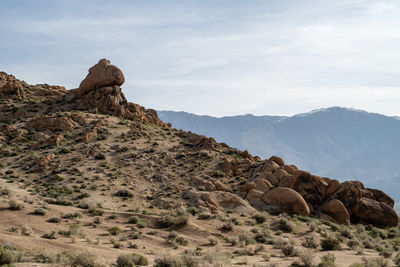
[{"x": 88, "y": 176}]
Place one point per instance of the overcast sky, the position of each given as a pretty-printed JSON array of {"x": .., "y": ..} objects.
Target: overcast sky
[{"x": 214, "y": 57}]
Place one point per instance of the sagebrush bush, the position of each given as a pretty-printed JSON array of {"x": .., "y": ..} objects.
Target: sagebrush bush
[
  {"x": 54, "y": 220},
  {"x": 309, "y": 242},
  {"x": 40, "y": 212},
  {"x": 15, "y": 205},
  {"x": 84, "y": 259},
  {"x": 133, "y": 219},
  {"x": 328, "y": 260},
  {"x": 307, "y": 258},
  {"x": 7, "y": 256},
  {"x": 330, "y": 243},
  {"x": 175, "y": 219},
  {"x": 131, "y": 260},
  {"x": 260, "y": 218},
  {"x": 285, "y": 225}
]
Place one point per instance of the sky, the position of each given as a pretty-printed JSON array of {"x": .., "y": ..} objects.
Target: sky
[{"x": 220, "y": 57}]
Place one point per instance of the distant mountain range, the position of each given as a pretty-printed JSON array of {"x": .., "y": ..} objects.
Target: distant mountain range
[{"x": 334, "y": 142}]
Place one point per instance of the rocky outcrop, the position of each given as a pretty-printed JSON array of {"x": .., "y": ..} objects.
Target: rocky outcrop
[
  {"x": 11, "y": 88},
  {"x": 277, "y": 160},
  {"x": 369, "y": 211},
  {"x": 51, "y": 123},
  {"x": 286, "y": 200},
  {"x": 312, "y": 188},
  {"x": 218, "y": 201},
  {"x": 349, "y": 193},
  {"x": 101, "y": 90}
]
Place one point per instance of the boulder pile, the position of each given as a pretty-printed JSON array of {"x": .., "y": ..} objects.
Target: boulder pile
[
  {"x": 101, "y": 90},
  {"x": 272, "y": 183}
]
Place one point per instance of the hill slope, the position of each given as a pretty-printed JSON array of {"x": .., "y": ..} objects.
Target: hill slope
[
  {"x": 335, "y": 142},
  {"x": 90, "y": 179}
]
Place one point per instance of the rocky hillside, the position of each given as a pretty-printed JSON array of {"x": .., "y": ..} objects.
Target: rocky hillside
[
  {"x": 335, "y": 142},
  {"x": 71, "y": 157}
]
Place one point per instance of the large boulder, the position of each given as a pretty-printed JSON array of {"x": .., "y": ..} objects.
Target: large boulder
[
  {"x": 101, "y": 75},
  {"x": 349, "y": 193},
  {"x": 286, "y": 200},
  {"x": 218, "y": 201},
  {"x": 277, "y": 160},
  {"x": 312, "y": 188},
  {"x": 335, "y": 211},
  {"x": 370, "y": 211},
  {"x": 380, "y": 196}
]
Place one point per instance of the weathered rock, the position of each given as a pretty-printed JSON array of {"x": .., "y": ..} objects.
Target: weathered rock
[
  {"x": 202, "y": 184},
  {"x": 336, "y": 211},
  {"x": 254, "y": 198},
  {"x": 312, "y": 188},
  {"x": 101, "y": 75},
  {"x": 43, "y": 163},
  {"x": 333, "y": 185},
  {"x": 277, "y": 160},
  {"x": 56, "y": 141},
  {"x": 89, "y": 134},
  {"x": 381, "y": 196},
  {"x": 280, "y": 174},
  {"x": 43, "y": 123},
  {"x": 289, "y": 181},
  {"x": 262, "y": 185},
  {"x": 218, "y": 200},
  {"x": 269, "y": 176},
  {"x": 349, "y": 193},
  {"x": 289, "y": 169},
  {"x": 11, "y": 88},
  {"x": 369, "y": 211},
  {"x": 286, "y": 200}
]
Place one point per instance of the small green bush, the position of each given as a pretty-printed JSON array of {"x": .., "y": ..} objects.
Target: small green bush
[
  {"x": 40, "y": 212},
  {"x": 54, "y": 220}
]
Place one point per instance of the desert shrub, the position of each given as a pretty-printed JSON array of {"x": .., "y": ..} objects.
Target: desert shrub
[
  {"x": 71, "y": 216},
  {"x": 204, "y": 216},
  {"x": 396, "y": 259},
  {"x": 123, "y": 193},
  {"x": 371, "y": 262},
  {"x": 25, "y": 230},
  {"x": 40, "y": 212},
  {"x": 99, "y": 156},
  {"x": 115, "y": 230},
  {"x": 175, "y": 219},
  {"x": 353, "y": 243},
  {"x": 386, "y": 252},
  {"x": 328, "y": 260},
  {"x": 309, "y": 242},
  {"x": 313, "y": 224},
  {"x": 227, "y": 227},
  {"x": 260, "y": 218},
  {"x": 330, "y": 243},
  {"x": 96, "y": 212},
  {"x": 51, "y": 235},
  {"x": 7, "y": 256},
  {"x": 289, "y": 250},
  {"x": 169, "y": 261},
  {"x": 193, "y": 210},
  {"x": 345, "y": 231},
  {"x": 263, "y": 237},
  {"x": 15, "y": 205},
  {"x": 133, "y": 219},
  {"x": 248, "y": 240},
  {"x": 84, "y": 259},
  {"x": 131, "y": 260},
  {"x": 98, "y": 220},
  {"x": 285, "y": 225},
  {"x": 307, "y": 258},
  {"x": 54, "y": 220}
]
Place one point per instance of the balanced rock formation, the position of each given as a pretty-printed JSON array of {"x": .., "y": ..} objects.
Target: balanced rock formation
[{"x": 101, "y": 90}]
